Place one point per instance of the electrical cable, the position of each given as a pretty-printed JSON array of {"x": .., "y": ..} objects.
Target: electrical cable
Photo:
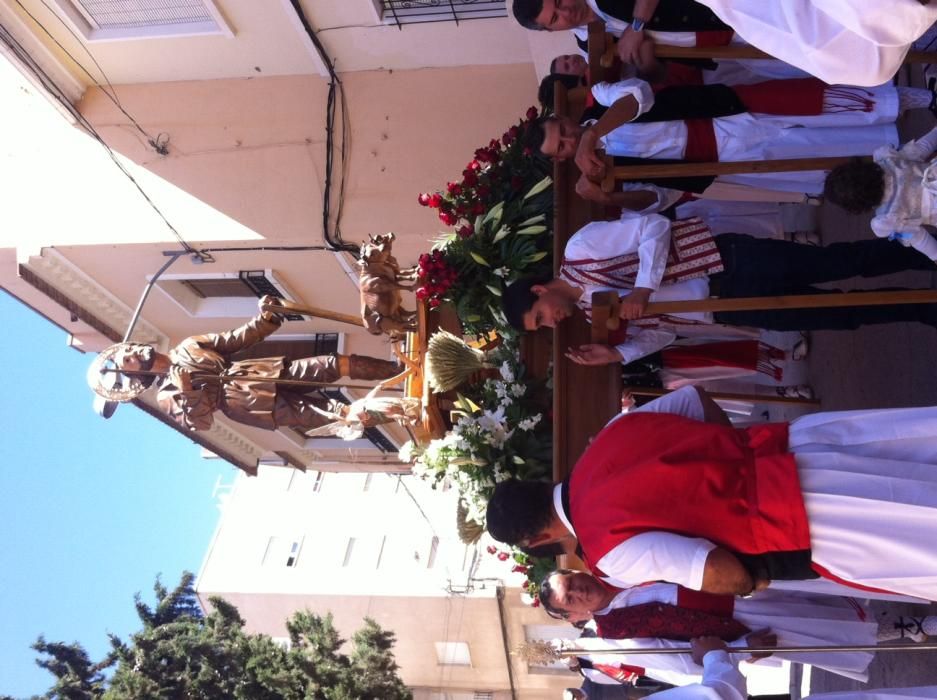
[
  {"x": 52, "y": 88},
  {"x": 335, "y": 88},
  {"x": 157, "y": 143}
]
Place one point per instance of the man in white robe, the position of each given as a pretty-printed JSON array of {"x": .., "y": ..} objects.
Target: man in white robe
[{"x": 859, "y": 42}]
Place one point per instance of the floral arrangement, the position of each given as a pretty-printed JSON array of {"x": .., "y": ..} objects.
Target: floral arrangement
[
  {"x": 501, "y": 213},
  {"x": 500, "y": 433},
  {"x": 534, "y": 568}
]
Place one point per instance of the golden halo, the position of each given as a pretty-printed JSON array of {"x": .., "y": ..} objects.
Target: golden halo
[{"x": 110, "y": 385}]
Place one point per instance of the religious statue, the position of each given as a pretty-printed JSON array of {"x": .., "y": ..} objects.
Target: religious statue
[
  {"x": 199, "y": 376},
  {"x": 379, "y": 281}
]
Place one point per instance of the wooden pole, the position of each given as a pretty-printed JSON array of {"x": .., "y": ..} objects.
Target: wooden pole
[
  {"x": 728, "y": 396},
  {"x": 796, "y": 301},
  {"x": 747, "y": 51},
  {"x": 223, "y": 378},
  {"x": 292, "y": 307},
  {"x": 644, "y": 172}
]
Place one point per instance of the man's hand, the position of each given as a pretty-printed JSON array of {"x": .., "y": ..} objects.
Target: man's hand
[
  {"x": 269, "y": 300},
  {"x": 594, "y": 354},
  {"x": 590, "y": 191},
  {"x": 634, "y": 305},
  {"x": 180, "y": 378},
  {"x": 587, "y": 160},
  {"x": 761, "y": 638},
  {"x": 629, "y": 46},
  {"x": 700, "y": 646}
]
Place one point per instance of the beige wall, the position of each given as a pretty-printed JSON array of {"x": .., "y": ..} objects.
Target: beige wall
[
  {"x": 418, "y": 623},
  {"x": 247, "y": 162}
]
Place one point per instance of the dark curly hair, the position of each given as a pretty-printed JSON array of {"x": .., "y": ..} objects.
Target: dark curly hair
[
  {"x": 526, "y": 13},
  {"x": 518, "y": 298},
  {"x": 545, "y": 93},
  {"x": 519, "y": 509},
  {"x": 857, "y": 186}
]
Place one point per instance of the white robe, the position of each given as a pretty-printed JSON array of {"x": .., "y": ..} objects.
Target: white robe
[
  {"x": 869, "y": 481},
  {"x": 858, "y": 42},
  {"x": 798, "y": 620}
]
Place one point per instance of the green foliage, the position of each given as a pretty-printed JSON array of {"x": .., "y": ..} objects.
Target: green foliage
[{"x": 181, "y": 654}]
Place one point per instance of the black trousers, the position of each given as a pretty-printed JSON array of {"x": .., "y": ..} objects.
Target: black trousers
[{"x": 768, "y": 267}]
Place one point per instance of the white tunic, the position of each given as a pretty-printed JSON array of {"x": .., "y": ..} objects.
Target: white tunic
[
  {"x": 869, "y": 481},
  {"x": 910, "y": 198},
  {"x": 858, "y": 42},
  {"x": 798, "y": 619}
]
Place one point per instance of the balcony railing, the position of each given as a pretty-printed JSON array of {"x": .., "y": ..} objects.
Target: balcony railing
[{"x": 401, "y": 12}]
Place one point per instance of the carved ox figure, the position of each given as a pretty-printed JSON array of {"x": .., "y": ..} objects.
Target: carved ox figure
[{"x": 379, "y": 278}]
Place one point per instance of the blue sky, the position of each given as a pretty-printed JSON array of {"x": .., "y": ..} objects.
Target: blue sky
[{"x": 93, "y": 509}]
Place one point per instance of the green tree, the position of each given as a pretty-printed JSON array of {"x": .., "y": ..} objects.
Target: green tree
[{"x": 181, "y": 654}]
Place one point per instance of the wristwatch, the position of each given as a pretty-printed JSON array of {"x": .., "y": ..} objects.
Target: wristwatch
[{"x": 638, "y": 24}]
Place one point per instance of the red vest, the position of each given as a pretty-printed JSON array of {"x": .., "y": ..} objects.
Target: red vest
[{"x": 646, "y": 472}]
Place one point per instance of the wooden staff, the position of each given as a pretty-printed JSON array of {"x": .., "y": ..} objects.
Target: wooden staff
[
  {"x": 796, "y": 301},
  {"x": 292, "y": 307},
  {"x": 728, "y": 396},
  {"x": 246, "y": 378},
  {"x": 740, "y": 167},
  {"x": 747, "y": 51}
]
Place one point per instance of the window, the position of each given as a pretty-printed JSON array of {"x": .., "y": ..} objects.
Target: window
[
  {"x": 453, "y": 654},
  {"x": 109, "y": 20},
  {"x": 401, "y": 12},
  {"x": 317, "y": 484},
  {"x": 223, "y": 294},
  {"x": 282, "y": 551}
]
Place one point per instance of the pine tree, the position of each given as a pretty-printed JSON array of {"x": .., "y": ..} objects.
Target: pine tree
[{"x": 181, "y": 653}]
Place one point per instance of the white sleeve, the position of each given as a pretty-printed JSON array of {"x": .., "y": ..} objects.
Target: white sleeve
[
  {"x": 682, "y": 402},
  {"x": 645, "y": 342},
  {"x": 721, "y": 681},
  {"x": 666, "y": 198},
  {"x": 609, "y": 93},
  {"x": 653, "y": 247},
  {"x": 657, "y": 556},
  {"x": 648, "y": 236},
  {"x": 921, "y": 149}
]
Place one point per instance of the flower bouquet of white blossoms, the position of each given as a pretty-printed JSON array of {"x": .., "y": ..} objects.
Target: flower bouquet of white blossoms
[{"x": 499, "y": 432}]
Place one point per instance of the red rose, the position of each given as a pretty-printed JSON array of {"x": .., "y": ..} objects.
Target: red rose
[
  {"x": 447, "y": 218},
  {"x": 433, "y": 303},
  {"x": 478, "y": 208},
  {"x": 535, "y": 603},
  {"x": 474, "y": 165},
  {"x": 424, "y": 199},
  {"x": 503, "y": 556},
  {"x": 454, "y": 188},
  {"x": 469, "y": 178},
  {"x": 519, "y": 569},
  {"x": 483, "y": 190},
  {"x": 492, "y": 549},
  {"x": 494, "y": 145},
  {"x": 435, "y": 200},
  {"x": 483, "y": 155},
  {"x": 513, "y": 132},
  {"x": 506, "y": 138},
  {"x": 466, "y": 231},
  {"x": 422, "y": 293},
  {"x": 532, "y": 113},
  {"x": 525, "y": 585}
]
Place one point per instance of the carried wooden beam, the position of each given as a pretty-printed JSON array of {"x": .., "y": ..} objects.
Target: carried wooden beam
[
  {"x": 606, "y": 54},
  {"x": 645, "y": 172}
]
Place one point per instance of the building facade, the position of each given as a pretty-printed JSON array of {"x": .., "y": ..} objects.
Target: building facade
[
  {"x": 219, "y": 112},
  {"x": 382, "y": 546}
]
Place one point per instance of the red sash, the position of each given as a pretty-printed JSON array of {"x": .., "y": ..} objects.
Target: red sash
[{"x": 738, "y": 488}]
